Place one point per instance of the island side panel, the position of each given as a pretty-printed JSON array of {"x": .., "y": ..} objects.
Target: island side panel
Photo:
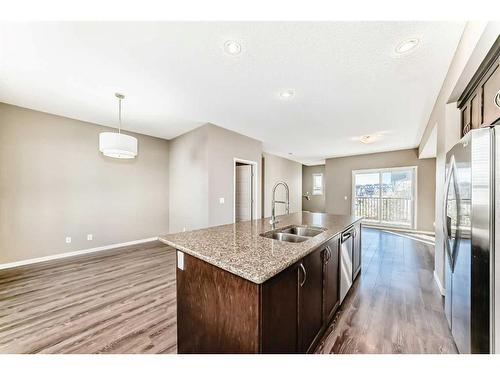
[
  {"x": 279, "y": 316},
  {"x": 217, "y": 312}
]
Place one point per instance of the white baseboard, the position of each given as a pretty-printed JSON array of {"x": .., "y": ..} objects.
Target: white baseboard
[
  {"x": 73, "y": 253},
  {"x": 396, "y": 229},
  {"x": 440, "y": 287}
]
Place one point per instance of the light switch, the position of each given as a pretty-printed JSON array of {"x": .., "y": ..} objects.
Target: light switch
[
  {"x": 221, "y": 200},
  {"x": 90, "y": 237},
  {"x": 345, "y": 197},
  {"x": 180, "y": 260}
]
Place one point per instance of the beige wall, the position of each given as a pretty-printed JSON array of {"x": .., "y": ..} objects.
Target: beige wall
[
  {"x": 317, "y": 202},
  {"x": 223, "y": 146},
  {"x": 278, "y": 169},
  {"x": 54, "y": 183},
  {"x": 202, "y": 172},
  {"x": 188, "y": 182},
  {"x": 477, "y": 39},
  {"x": 339, "y": 181}
]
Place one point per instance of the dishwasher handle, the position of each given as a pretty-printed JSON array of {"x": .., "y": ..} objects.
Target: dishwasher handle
[{"x": 345, "y": 236}]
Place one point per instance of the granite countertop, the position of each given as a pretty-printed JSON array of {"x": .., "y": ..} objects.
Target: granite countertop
[{"x": 238, "y": 248}]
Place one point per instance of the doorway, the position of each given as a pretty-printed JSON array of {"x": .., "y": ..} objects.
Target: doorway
[{"x": 244, "y": 190}]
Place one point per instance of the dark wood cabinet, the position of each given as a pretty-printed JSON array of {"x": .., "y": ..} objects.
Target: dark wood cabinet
[
  {"x": 490, "y": 95},
  {"x": 480, "y": 102},
  {"x": 310, "y": 299},
  {"x": 474, "y": 112},
  {"x": 356, "y": 251},
  {"x": 298, "y": 303},
  {"x": 331, "y": 279},
  {"x": 219, "y": 312},
  {"x": 280, "y": 313}
]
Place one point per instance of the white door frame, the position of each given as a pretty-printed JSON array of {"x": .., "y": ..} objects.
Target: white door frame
[{"x": 255, "y": 190}]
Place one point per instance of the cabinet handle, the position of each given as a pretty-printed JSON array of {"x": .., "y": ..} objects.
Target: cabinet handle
[
  {"x": 327, "y": 254},
  {"x": 496, "y": 99},
  {"x": 305, "y": 274}
]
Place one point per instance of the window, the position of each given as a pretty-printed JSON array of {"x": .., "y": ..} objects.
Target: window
[
  {"x": 317, "y": 183},
  {"x": 386, "y": 196}
]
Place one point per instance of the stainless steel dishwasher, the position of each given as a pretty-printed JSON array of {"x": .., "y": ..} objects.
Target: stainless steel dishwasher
[{"x": 346, "y": 242}]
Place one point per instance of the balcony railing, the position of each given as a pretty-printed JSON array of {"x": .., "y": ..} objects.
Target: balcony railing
[{"x": 396, "y": 211}]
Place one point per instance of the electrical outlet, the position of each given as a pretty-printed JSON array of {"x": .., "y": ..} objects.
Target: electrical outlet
[
  {"x": 90, "y": 237},
  {"x": 68, "y": 239},
  {"x": 221, "y": 200},
  {"x": 180, "y": 260}
]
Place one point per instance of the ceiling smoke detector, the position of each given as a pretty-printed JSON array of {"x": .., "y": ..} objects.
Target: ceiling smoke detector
[{"x": 232, "y": 48}]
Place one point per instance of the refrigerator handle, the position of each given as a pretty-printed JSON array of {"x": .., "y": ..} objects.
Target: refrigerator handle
[{"x": 446, "y": 231}]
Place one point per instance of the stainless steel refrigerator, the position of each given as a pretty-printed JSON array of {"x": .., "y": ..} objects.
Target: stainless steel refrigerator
[{"x": 471, "y": 224}]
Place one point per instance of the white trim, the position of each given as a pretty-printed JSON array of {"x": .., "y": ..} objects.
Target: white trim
[
  {"x": 255, "y": 192},
  {"x": 413, "y": 168},
  {"x": 74, "y": 253},
  {"x": 440, "y": 287}
]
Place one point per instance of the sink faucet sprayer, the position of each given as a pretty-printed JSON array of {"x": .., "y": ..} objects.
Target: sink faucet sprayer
[{"x": 273, "y": 220}]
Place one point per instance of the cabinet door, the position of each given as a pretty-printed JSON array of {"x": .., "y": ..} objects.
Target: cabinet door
[
  {"x": 331, "y": 279},
  {"x": 474, "y": 112},
  {"x": 356, "y": 251},
  {"x": 310, "y": 299},
  {"x": 490, "y": 90},
  {"x": 280, "y": 312}
]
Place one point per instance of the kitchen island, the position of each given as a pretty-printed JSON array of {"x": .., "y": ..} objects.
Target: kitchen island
[{"x": 240, "y": 290}]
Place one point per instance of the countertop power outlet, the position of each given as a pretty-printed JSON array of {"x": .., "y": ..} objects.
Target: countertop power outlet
[
  {"x": 90, "y": 237},
  {"x": 68, "y": 239}
]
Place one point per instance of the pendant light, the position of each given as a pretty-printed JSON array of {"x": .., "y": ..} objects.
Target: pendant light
[{"x": 118, "y": 145}]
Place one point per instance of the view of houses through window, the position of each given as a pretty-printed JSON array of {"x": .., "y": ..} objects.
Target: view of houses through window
[{"x": 385, "y": 196}]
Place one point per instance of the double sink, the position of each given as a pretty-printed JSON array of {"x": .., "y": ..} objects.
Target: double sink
[{"x": 293, "y": 233}]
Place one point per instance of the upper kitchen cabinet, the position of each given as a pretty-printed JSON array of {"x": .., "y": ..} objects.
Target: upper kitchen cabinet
[
  {"x": 490, "y": 95},
  {"x": 480, "y": 102}
]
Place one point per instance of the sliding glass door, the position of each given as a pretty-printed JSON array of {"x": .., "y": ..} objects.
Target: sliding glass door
[{"x": 385, "y": 196}]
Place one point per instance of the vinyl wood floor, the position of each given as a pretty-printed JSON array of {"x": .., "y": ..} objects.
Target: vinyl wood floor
[
  {"x": 394, "y": 305},
  {"x": 117, "y": 301},
  {"x": 123, "y": 301}
]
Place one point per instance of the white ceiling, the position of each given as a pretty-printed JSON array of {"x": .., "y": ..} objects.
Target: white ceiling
[{"x": 176, "y": 76}]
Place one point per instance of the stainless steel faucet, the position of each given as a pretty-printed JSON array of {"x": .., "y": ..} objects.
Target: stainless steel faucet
[{"x": 273, "y": 220}]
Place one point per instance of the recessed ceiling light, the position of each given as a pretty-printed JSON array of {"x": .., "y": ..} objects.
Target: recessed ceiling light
[
  {"x": 232, "y": 48},
  {"x": 287, "y": 94},
  {"x": 367, "y": 139},
  {"x": 406, "y": 46}
]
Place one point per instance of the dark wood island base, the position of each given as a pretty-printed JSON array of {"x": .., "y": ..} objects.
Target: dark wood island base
[{"x": 220, "y": 312}]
